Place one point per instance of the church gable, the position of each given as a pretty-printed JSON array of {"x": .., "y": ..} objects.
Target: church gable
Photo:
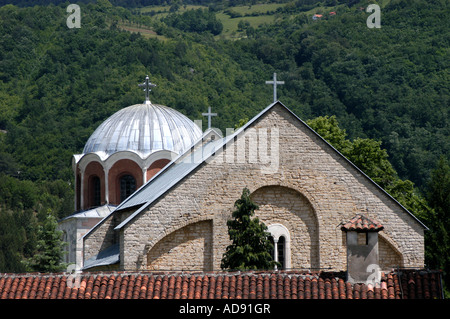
[{"x": 300, "y": 182}]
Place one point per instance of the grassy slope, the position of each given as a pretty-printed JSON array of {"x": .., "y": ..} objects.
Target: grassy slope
[
  {"x": 256, "y": 15},
  {"x": 230, "y": 25}
]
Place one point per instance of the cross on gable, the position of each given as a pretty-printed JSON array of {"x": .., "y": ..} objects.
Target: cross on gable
[
  {"x": 209, "y": 115},
  {"x": 274, "y": 82},
  {"x": 147, "y": 88}
]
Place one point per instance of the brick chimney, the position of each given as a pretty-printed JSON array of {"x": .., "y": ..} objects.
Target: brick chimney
[{"x": 362, "y": 249}]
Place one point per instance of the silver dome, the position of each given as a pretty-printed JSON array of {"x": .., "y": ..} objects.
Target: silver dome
[{"x": 144, "y": 129}]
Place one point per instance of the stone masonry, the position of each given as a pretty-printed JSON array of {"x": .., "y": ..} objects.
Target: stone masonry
[{"x": 311, "y": 192}]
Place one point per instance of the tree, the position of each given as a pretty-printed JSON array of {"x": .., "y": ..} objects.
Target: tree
[
  {"x": 195, "y": 21},
  {"x": 11, "y": 243},
  {"x": 439, "y": 190},
  {"x": 241, "y": 123},
  {"x": 250, "y": 247},
  {"x": 437, "y": 239},
  {"x": 49, "y": 248},
  {"x": 369, "y": 157},
  {"x": 366, "y": 153},
  {"x": 328, "y": 128}
]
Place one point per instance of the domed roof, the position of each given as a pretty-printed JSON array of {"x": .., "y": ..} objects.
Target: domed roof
[{"x": 144, "y": 129}]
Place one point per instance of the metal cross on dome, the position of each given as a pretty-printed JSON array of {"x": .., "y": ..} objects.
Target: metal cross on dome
[
  {"x": 147, "y": 88},
  {"x": 209, "y": 115},
  {"x": 274, "y": 82}
]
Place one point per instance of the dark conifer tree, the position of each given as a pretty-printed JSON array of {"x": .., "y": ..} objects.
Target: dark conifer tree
[
  {"x": 250, "y": 247},
  {"x": 50, "y": 248}
]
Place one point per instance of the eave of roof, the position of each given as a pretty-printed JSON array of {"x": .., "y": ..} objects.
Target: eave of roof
[
  {"x": 108, "y": 256},
  {"x": 97, "y": 212}
]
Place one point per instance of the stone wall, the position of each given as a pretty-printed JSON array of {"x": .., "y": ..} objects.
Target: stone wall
[
  {"x": 389, "y": 257},
  {"x": 311, "y": 192},
  {"x": 188, "y": 248},
  {"x": 103, "y": 235},
  {"x": 285, "y": 206},
  {"x": 73, "y": 231}
]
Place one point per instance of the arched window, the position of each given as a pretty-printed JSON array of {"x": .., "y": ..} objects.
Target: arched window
[
  {"x": 95, "y": 196},
  {"x": 127, "y": 186},
  {"x": 280, "y": 239}
]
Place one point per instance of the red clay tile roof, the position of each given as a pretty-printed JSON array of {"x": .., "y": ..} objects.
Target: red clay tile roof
[
  {"x": 247, "y": 285},
  {"x": 362, "y": 223}
]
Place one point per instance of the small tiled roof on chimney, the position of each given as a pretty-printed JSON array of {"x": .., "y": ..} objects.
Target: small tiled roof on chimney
[{"x": 362, "y": 223}]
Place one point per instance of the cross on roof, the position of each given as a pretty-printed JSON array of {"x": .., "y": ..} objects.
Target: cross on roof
[
  {"x": 209, "y": 115},
  {"x": 147, "y": 88},
  {"x": 274, "y": 82}
]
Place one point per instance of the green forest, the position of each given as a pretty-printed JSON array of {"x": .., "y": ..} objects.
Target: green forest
[{"x": 379, "y": 95}]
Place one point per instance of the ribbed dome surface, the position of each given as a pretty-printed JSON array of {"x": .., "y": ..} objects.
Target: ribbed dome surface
[{"x": 144, "y": 128}]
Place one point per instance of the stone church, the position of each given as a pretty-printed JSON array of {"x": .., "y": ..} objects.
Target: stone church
[{"x": 154, "y": 192}]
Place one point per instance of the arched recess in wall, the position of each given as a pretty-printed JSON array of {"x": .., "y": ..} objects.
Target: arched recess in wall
[
  {"x": 187, "y": 248},
  {"x": 127, "y": 186},
  {"x": 288, "y": 207},
  {"x": 95, "y": 194},
  {"x": 94, "y": 185},
  {"x": 116, "y": 173},
  {"x": 156, "y": 166},
  {"x": 389, "y": 255}
]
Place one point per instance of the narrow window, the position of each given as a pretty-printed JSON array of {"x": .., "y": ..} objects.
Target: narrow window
[
  {"x": 363, "y": 239},
  {"x": 95, "y": 191},
  {"x": 278, "y": 252},
  {"x": 280, "y": 247},
  {"x": 127, "y": 186}
]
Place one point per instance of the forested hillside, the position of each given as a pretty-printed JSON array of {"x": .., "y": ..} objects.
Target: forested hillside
[{"x": 58, "y": 84}]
